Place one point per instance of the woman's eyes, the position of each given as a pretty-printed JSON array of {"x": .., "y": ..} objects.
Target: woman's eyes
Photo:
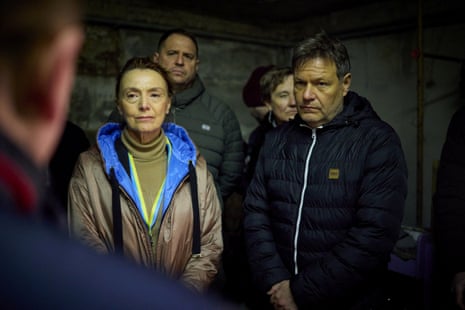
[
  {"x": 135, "y": 97},
  {"x": 131, "y": 97}
]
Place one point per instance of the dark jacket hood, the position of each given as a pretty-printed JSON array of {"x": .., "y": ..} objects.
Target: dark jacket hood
[
  {"x": 187, "y": 96},
  {"x": 356, "y": 109}
]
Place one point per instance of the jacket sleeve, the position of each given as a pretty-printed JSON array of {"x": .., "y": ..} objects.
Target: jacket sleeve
[
  {"x": 81, "y": 223},
  {"x": 265, "y": 263},
  {"x": 365, "y": 251},
  {"x": 233, "y": 157},
  {"x": 201, "y": 270},
  {"x": 449, "y": 200}
]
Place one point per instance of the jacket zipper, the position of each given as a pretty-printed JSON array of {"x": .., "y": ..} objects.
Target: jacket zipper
[
  {"x": 140, "y": 220},
  {"x": 302, "y": 198},
  {"x": 161, "y": 226},
  {"x": 153, "y": 259}
]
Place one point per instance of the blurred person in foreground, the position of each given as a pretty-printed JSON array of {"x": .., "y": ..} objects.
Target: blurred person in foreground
[
  {"x": 449, "y": 218},
  {"x": 40, "y": 268},
  {"x": 150, "y": 176},
  {"x": 72, "y": 143},
  {"x": 324, "y": 209}
]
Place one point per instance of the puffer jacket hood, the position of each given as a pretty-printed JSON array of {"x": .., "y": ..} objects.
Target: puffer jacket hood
[
  {"x": 187, "y": 96},
  {"x": 182, "y": 151},
  {"x": 356, "y": 109},
  {"x": 104, "y": 211},
  {"x": 216, "y": 132}
]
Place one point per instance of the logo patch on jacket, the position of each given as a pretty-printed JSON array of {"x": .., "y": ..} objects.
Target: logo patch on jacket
[
  {"x": 333, "y": 174},
  {"x": 206, "y": 127}
]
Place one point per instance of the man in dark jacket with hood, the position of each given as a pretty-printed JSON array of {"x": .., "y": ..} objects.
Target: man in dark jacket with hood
[
  {"x": 211, "y": 124},
  {"x": 325, "y": 206},
  {"x": 449, "y": 218}
]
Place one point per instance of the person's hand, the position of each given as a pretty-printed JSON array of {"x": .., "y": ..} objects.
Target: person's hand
[
  {"x": 281, "y": 296},
  {"x": 458, "y": 285}
]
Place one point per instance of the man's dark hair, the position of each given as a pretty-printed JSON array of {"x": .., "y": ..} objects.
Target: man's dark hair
[
  {"x": 322, "y": 45},
  {"x": 179, "y": 31}
]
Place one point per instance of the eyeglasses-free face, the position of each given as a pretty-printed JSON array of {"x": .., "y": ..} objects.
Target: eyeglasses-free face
[{"x": 144, "y": 103}]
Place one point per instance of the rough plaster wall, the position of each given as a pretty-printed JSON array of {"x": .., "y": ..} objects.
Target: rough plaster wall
[
  {"x": 383, "y": 71},
  {"x": 225, "y": 68}
]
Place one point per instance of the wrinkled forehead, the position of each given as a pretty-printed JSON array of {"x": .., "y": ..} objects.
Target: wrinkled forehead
[
  {"x": 316, "y": 65},
  {"x": 143, "y": 79}
]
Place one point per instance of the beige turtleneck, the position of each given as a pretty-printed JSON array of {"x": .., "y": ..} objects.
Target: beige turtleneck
[{"x": 150, "y": 161}]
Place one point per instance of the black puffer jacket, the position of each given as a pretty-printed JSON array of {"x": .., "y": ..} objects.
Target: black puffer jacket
[
  {"x": 449, "y": 204},
  {"x": 256, "y": 138},
  {"x": 215, "y": 130},
  {"x": 325, "y": 206}
]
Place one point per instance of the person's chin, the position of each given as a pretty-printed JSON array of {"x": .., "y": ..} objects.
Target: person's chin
[
  {"x": 308, "y": 118},
  {"x": 177, "y": 76},
  {"x": 291, "y": 115}
]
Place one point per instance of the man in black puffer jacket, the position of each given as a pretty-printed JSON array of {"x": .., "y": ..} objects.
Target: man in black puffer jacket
[
  {"x": 324, "y": 209},
  {"x": 449, "y": 218}
]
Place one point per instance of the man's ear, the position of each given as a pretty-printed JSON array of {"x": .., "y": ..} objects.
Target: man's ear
[
  {"x": 346, "y": 81},
  {"x": 57, "y": 71},
  {"x": 197, "y": 62}
]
